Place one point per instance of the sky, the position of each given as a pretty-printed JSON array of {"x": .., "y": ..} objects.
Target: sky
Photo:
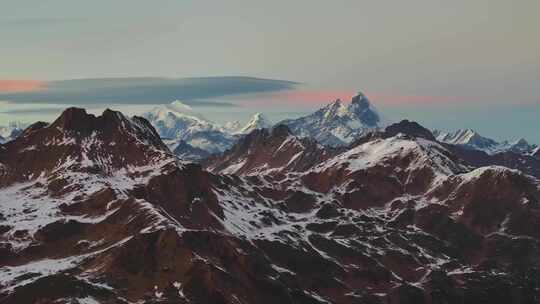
[{"x": 446, "y": 64}]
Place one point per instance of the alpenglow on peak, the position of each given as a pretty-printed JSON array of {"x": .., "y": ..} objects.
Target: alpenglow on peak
[{"x": 338, "y": 123}]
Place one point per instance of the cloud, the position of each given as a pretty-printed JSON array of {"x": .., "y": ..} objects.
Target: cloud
[
  {"x": 193, "y": 91},
  {"x": 34, "y": 110},
  {"x": 14, "y": 86}
]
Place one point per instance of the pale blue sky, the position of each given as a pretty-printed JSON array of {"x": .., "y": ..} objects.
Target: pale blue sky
[{"x": 478, "y": 60}]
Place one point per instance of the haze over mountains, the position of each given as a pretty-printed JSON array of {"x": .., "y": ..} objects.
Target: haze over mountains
[{"x": 99, "y": 209}]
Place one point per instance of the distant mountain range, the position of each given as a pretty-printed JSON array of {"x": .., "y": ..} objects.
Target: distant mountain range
[{"x": 337, "y": 124}]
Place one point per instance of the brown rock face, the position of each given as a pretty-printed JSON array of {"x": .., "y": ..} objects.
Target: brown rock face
[
  {"x": 274, "y": 151},
  {"x": 97, "y": 209},
  {"x": 186, "y": 194}
]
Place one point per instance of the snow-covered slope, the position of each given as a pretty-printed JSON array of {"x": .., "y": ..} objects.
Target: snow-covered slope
[
  {"x": 418, "y": 152},
  {"x": 338, "y": 123},
  {"x": 257, "y": 121},
  {"x": 469, "y": 138},
  {"x": 232, "y": 126},
  {"x": 10, "y": 132},
  {"x": 177, "y": 122}
]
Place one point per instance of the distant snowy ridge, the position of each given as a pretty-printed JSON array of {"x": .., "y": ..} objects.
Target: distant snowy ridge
[
  {"x": 469, "y": 138},
  {"x": 193, "y": 137}
]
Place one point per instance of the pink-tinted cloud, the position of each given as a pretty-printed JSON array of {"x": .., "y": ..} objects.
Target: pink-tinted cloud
[
  {"x": 12, "y": 86},
  {"x": 298, "y": 98},
  {"x": 306, "y": 97}
]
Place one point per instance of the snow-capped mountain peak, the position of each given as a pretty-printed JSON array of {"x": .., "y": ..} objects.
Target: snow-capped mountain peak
[
  {"x": 178, "y": 122},
  {"x": 257, "y": 121},
  {"x": 169, "y": 114},
  {"x": 358, "y": 109},
  {"x": 338, "y": 123},
  {"x": 362, "y": 108},
  {"x": 174, "y": 119}
]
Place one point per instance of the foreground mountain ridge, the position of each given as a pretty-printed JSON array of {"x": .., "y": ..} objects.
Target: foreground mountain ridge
[{"x": 97, "y": 208}]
